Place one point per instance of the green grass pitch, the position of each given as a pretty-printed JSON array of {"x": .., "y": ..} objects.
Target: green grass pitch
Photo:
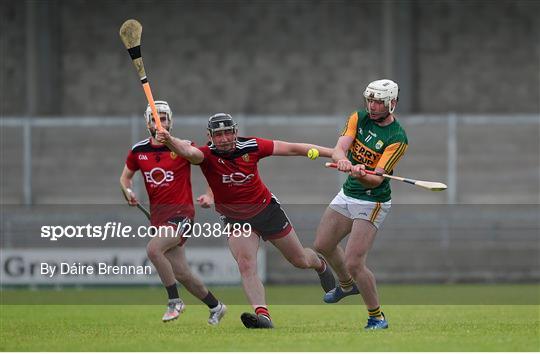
[{"x": 499, "y": 325}]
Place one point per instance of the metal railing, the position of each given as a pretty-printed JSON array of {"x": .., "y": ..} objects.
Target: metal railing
[{"x": 451, "y": 120}]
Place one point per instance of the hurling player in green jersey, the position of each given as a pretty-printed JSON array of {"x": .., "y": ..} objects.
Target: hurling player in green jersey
[{"x": 372, "y": 139}]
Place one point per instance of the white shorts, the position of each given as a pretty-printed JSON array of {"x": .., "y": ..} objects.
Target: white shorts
[{"x": 353, "y": 208}]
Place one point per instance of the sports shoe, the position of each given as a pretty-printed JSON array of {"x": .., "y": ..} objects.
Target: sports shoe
[
  {"x": 216, "y": 314},
  {"x": 328, "y": 282},
  {"x": 174, "y": 309},
  {"x": 337, "y": 294},
  {"x": 251, "y": 320},
  {"x": 373, "y": 323}
]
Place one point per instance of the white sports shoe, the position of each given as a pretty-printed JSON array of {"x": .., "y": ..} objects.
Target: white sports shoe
[
  {"x": 174, "y": 309},
  {"x": 216, "y": 314}
]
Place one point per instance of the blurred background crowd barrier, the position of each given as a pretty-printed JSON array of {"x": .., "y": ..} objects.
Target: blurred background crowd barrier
[{"x": 64, "y": 171}]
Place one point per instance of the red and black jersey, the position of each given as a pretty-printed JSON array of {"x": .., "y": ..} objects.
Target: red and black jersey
[
  {"x": 167, "y": 178},
  {"x": 234, "y": 178}
]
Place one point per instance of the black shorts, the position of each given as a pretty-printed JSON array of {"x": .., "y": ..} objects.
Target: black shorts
[
  {"x": 270, "y": 224},
  {"x": 183, "y": 222}
]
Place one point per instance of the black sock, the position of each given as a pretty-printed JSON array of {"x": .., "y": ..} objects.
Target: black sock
[
  {"x": 210, "y": 300},
  {"x": 172, "y": 291},
  {"x": 323, "y": 266}
]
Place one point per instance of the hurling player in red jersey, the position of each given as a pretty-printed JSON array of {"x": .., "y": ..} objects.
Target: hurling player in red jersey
[
  {"x": 229, "y": 164},
  {"x": 167, "y": 178}
]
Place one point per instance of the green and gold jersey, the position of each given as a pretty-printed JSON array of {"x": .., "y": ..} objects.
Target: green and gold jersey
[{"x": 373, "y": 146}]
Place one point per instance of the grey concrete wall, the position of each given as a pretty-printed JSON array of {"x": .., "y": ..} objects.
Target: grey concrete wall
[
  {"x": 478, "y": 56},
  {"x": 12, "y": 58},
  {"x": 286, "y": 57}
]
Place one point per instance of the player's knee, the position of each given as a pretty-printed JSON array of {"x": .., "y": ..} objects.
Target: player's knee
[
  {"x": 153, "y": 252},
  {"x": 321, "y": 247},
  {"x": 247, "y": 265}
]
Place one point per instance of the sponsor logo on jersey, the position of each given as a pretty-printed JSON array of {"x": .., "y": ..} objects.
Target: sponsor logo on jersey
[
  {"x": 364, "y": 155},
  {"x": 237, "y": 178},
  {"x": 245, "y": 157},
  {"x": 173, "y": 155},
  {"x": 379, "y": 144},
  {"x": 220, "y": 160},
  {"x": 157, "y": 176},
  {"x": 143, "y": 157},
  {"x": 372, "y": 133}
]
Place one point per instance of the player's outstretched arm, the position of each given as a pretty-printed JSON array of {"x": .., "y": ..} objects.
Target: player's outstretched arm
[
  {"x": 283, "y": 148},
  {"x": 181, "y": 147},
  {"x": 126, "y": 181}
]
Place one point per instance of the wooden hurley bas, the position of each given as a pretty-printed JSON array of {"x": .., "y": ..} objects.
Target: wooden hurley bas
[
  {"x": 432, "y": 186},
  {"x": 130, "y": 34}
]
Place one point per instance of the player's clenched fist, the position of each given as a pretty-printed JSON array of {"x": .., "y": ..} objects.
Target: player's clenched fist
[
  {"x": 130, "y": 197},
  {"x": 358, "y": 171},
  {"x": 205, "y": 201},
  {"x": 163, "y": 136},
  {"x": 344, "y": 165}
]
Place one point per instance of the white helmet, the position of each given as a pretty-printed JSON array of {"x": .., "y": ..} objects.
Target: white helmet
[
  {"x": 161, "y": 107},
  {"x": 382, "y": 90}
]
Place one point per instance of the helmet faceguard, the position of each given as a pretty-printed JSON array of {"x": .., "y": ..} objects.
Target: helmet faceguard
[
  {"x": 221, "y": 122},
  {"x": 161, "y": 107},
  {"x": 385, "y": 91}
]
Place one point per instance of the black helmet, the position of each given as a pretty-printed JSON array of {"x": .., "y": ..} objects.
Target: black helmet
[{"x": 221, "y": 121}]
